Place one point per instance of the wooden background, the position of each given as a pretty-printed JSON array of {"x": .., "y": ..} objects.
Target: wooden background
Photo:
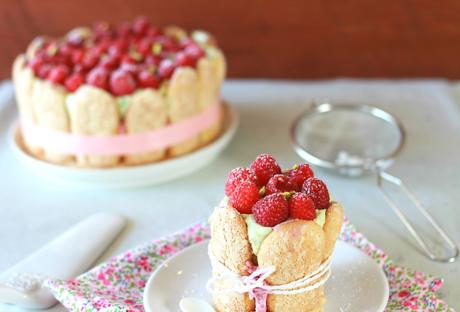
[{"x": 277, "y": 39}]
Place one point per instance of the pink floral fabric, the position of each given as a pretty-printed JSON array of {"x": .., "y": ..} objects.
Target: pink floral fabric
[{"x": 117, "y": 285}]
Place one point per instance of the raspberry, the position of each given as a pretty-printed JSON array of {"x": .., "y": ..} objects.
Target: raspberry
[
  {"x": 44, "y": 70},
  {"x": 317, "y": 191},
  {"x": 195, "y": 51},
  {"x": 271, "y": 210},
  {"x": 144, "y": 46},
  {"x": 109, "y": 62},
  {"x": 98, "y": 77},
  {"x": 183, "y": 59},
  {"x": 73, "y": 82},
  {"x": 140, "y": 25},
  {"x": 166, "y": 69},
  {"x": 89, "y": 61},
  {"x": 245, "y": 195},
  {"x": 302, "y": 207},
  {"x": 299, "y": 174},
  {"x": 77, "y": 56},
  {"x": 279, "y": 183},
  {"x": 119, "y": 47},
  {"x": 128, "y": 59},
  {"x": 264, "y": 167},
  {"x": 122, "y": 82},
  {"x": 153, "y": 32},
  {"x": 148, "y": 79},
  {"x": 124, "y": 29},
  {"x": 167, "y": 43},
  {"x": 36, "y": 63},
  {"x": 235, "y": 177},
  {"x": 152, "y": 60},
  {"x": 58, "y": 74},
  {"x": 65, "y": 49}
]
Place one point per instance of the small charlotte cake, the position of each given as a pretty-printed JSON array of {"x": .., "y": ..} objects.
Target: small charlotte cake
[
  {"x": 110, "y": 96},
  {"x": 272, "y": 238}
]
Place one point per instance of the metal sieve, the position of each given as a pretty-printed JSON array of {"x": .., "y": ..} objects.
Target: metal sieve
[{"x": 354, "y": 139}]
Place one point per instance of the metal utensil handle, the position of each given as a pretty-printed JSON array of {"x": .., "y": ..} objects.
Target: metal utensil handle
[{"x": 382, "y": 175}]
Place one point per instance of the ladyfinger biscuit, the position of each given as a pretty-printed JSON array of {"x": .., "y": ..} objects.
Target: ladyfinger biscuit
[
  {"x": 333, "y": 225},
  {"x": 230, "y": 245},
  {"x": 208, "y": 94},
  {"x": 34, "y": 45},
  {"x": 294, "y": 249},
  {"x": 94, "y": 112},
  {"x": 147, "y": 110},
  {"x": 23, "y": 79},
  {"x": 50, "y": 113},
  {"x": 182, "y": 98},
  {"x": 175, "y": 31}
]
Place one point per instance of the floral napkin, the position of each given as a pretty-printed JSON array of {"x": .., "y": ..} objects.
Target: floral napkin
[{"x": 117, "y": 285}]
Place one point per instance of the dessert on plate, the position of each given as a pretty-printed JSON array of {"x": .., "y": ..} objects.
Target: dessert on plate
[
  {"x": 119, "y": 82},
  {"x": 272, "y": 238}
]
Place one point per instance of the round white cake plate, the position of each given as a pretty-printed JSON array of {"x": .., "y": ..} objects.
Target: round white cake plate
[
  {"x": 357, "y": 283},
  {"x": 129, "y": 176}
]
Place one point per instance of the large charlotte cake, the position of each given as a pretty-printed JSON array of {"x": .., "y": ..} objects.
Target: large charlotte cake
[
  {"x": 272, "y": 239},
  {"x": 108, "y": 81}
]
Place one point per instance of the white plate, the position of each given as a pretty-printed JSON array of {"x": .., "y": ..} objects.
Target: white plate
[
  {"x": 357, "y": 283},
  {"x": 134, "y": 176}
]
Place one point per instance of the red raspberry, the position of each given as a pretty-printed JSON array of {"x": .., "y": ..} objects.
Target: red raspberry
[
  {"x": 152, "y": 60},
  {"x": 183, "y": 59},
  {"x": 168, "y": 43},
  {"x": 98, "y": 77},
  {"x": 299, "y": 174},
  {"x": 74, "y": 81},
  {"x": 317, "y": 191},
  {"x": 245, "y": 195},
  {"x": 44, "y": 71},
  {"x": 271, "y": 210},
  {"x": 279, "y": 183},
  {"x": 128, "y": 59},
  {"x": 140, "y": 25},
  {"x": 302, "y": 207},
  {"x": 79, "y": 69},
  {"x": 122, "y": 82},
  {"x": 235, "y": 177},
  {"x": 35, "y": 64},
  {"x": 109, "y": 62},
  {"x": 124, "y": 29},
  {"x": 89, "y": 61},
  {"x": 194, "y": 51},
  {"x": 144, "y": 46},
  {"x": 166, "y": 69},
  {"x": 119, "y": 47},
  {"x": 153, "y": 32},
  {"x": 264, "y": 167},
  {"x": 58, "y": 74},
  {"x": 77, "y": 56},
  {"x": 148, "y": 79},
  {"x": 65, "y": 49}
]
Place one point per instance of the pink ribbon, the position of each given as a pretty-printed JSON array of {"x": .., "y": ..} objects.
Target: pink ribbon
[{"x": 122, "y": 144}]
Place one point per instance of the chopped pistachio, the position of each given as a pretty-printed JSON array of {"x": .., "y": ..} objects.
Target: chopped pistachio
[
  {"x": 200, "y": 36},
  {"x": 52, "y": 49},
  {"x": 135, "y": 55},
  {"x": 157, "y": 48},
  {"x": 123, "y": 105}
]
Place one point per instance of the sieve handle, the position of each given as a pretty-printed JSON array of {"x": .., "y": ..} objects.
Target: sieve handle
[{"x": 453, "y": 249}]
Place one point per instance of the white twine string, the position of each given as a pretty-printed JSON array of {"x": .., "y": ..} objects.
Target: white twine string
[{"x": 256, "y": 280}]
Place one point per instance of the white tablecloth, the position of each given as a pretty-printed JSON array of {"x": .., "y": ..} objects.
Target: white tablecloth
[{"x": 33, "y": 210}]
